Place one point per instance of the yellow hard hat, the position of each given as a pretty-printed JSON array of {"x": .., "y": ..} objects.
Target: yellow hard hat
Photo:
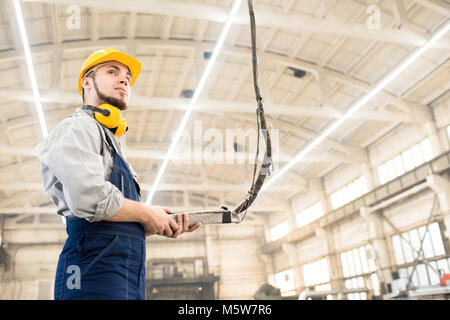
[{"x": 110, "y": 55}]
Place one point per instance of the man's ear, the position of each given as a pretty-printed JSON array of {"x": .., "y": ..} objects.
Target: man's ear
[{"x": 86, "y": 83}]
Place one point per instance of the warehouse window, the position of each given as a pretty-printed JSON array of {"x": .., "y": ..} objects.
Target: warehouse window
[
  {"x": 309, "y": 214},
  {"x": 407, "y": 160},
  {"x": 398, "y": 165},
  {"x": 279, "y": 231},
  {"x": 406, "y": 248},
  {"x": 427, "y": 152},
  {"x": 348, "y": 193},
  {"x": 424, "y": 275},
  {"x": 432, "y": 245},
  {"x": 285, "y": 282},
  {"x": 316, "y": 275},
  {"x": 357, "y": 264}
]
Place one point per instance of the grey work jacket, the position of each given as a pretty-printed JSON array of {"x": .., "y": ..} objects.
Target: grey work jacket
[{"x": 76, "y": 164}]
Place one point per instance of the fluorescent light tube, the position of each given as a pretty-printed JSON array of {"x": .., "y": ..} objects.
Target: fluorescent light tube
[
  {"x": 194, "y": 99},
  {"x": 29, "y": 61}
]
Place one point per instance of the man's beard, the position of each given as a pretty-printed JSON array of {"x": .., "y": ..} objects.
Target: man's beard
[{"x": 122, "y": 105}]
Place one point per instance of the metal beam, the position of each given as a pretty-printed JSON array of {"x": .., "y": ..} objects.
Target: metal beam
[
  {"x": 140, "y": 103},
  {"x": 297, "y": 23},
  {"x": 439, "y": 6},
  {"x": 197, "y": 48},
  {"x": 195, "y": 158},
  {"x": 357, "y": 153},
  {"x": 400, "y": 13},
  {"x": 56, "y": 33},
  {"x": 28, "y": 186}
]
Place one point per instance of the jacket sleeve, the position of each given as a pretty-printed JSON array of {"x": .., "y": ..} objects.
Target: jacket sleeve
[{"x": 72, "y": 152}]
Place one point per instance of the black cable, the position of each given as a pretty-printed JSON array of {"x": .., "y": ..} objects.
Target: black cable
[{"x": 224, "y": 215}]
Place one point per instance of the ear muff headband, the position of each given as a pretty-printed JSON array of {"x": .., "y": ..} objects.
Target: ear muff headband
[{"x": 110, "y": 117}]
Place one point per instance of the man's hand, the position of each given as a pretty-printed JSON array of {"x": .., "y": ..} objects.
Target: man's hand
[
  {"x": 157, "y": 221},
  {"x": 183, "y": 225},
  {"x": 154, "y": 219}
]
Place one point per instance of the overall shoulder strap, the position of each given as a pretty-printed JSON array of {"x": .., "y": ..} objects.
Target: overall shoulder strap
[{"x": 108, "y": 140}]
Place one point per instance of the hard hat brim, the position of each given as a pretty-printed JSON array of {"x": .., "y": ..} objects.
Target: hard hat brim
[{"x": 132, "y": 63}]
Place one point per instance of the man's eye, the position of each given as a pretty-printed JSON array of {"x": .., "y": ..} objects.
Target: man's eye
[{"x": 111, "y": 71}]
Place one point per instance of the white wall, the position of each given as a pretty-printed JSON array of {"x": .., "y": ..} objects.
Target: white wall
[
  {"x": 241, "y": 272},
  {"x": 415, "y": 211},
  {"x": 174, "y": 249},
  {"x": 36, "y": 261},
  {"x": 304, "y": 200},
  {"x": 442, "y": 114},
  {"x": 341, "y": 177},
  {"x": 442, "y": 117},
  {"x": 17, "y": 289},
  {"x": 395, "y": 143},
  {"x": 280, "y": 261},
  {"x": 31, "y": 274},
  {"x": 277, "y": 218},
  {"x": 311, "y": 249},
  {"x": 349, "y": 233}
]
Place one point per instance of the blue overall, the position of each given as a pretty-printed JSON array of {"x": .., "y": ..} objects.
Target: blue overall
[{"x": 104, "y": 260}]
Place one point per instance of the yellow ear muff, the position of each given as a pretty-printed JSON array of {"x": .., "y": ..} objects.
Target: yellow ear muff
[
  {"x": 121, "y": 128},
  {"x": 111, "y": 117}
]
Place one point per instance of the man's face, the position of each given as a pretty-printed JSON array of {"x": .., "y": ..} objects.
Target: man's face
[{"x": 112, "y": 84}]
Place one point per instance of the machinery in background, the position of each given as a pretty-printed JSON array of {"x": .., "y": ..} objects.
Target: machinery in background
[
  {"x": 445, "y": 277},
  {"x": 181, "y": 279},
  {"x": 268, "y": 292},
  {"x": 436, "y": 292},
  {"x": 341, "y": 294},
  {"x": 4, "y": 257},
  {"x": 402, "y": 289}
]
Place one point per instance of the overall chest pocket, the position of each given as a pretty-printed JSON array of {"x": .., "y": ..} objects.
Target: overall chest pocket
[{"x": 128, "y": 185}]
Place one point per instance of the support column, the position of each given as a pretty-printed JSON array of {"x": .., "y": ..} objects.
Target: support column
[
  {"x": 267, "y": 262},
  {"x": 379, "y": 244},
  {"x": 368, "y": 173},
  {"x": 441, "y": 186},
  {"x": 324, "y": 199},
  {"x": 2, "y": 228},
  {"x": 290, "y": 216},
  {"x": 291, "y": 250},
  {"x": 334, "y": 266},
  {"x": 432, "y": 133},
  {"x": 325, "y": 234}
]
